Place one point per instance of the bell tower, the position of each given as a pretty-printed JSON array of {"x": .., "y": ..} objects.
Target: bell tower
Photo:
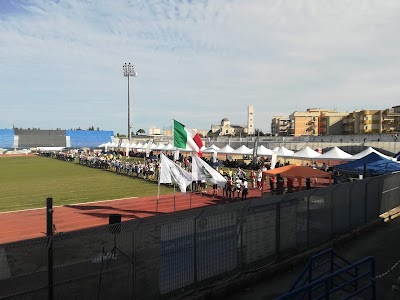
[{"x": 250, "y": 120}]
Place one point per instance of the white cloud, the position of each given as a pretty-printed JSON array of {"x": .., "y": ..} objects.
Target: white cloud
[{"x": 197, "y": 61}]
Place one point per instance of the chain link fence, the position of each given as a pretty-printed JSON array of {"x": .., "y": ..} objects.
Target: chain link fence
[{"x": 171, "y": 255}]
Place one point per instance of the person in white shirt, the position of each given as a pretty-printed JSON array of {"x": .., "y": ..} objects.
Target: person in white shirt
[
  {"x": 238, "y": 186},
  {"x": 244, "y": 189}
]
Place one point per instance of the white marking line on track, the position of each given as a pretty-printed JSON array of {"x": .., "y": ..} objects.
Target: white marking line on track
[{"x": 29, "y": 209}]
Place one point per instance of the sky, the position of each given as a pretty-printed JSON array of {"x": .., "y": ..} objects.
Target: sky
[{"x": 196, "y": 61}]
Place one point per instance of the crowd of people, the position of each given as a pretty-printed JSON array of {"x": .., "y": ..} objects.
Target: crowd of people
[{"x": 140, "y": 165}]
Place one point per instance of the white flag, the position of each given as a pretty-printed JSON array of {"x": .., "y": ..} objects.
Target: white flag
[
  {"x": 170, "y": 172},
  {"x": 202, "y": 170},
  {"x": 273, "y": 159}
]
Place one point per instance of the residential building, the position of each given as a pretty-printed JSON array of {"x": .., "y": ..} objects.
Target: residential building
[
  {"x": 280, "y": 126},
  {"x": 153, "y": 130},
  {"x": 371, "y": 121},
  {"x": 330, "y": 122},
  {"x": 305, "y": 122},
  {"x": 396, "y": 118}
]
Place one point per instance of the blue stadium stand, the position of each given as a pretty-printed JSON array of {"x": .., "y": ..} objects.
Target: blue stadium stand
[
  {"x": 7, "y": 138},
  {"x": 329, "y": 276},
  {"x": 87, "y": 138}
]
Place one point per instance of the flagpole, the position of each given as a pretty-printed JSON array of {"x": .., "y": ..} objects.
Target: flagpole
[
  {"x": 191, "y": 192},
  {"x": 158, "y": 186},
  {"x": 174, "y": 199}
]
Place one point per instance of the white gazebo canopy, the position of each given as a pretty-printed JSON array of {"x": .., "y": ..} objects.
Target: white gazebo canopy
[
  {"x": 336, "y": 154},
  {"x": 169, "y": 147},
  {"x": 282, "y": 151},
  {"x": 160, "y": 146},
  {"x": 139, "y": 146},
  {"x": 226, "y": 150},
  {"x": 209, "y": 150},
  {"x": 368, "y": 151},
  {"x": 307, "y": 152},
  {"x": 243, "y": 150},
  {"x": 213, "y": 147},
  {"x": 261, "y": 150}
]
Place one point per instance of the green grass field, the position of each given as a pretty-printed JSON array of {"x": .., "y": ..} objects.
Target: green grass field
[{"x": 26, "y": 182}]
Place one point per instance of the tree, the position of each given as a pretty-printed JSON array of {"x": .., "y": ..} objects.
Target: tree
[
  {"x": 258, "y": 132},
  {"x": 140, "y": 131}
]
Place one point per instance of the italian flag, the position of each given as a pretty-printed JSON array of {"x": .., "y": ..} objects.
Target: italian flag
[{"x": 186, "y": 138}]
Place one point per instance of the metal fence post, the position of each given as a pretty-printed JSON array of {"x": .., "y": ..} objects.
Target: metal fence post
[
  {"x": 308, "y": 221},
  {"x": 278, "y": 228},
  {"x": 365, "y": 202},
  {"x": 49, "y": 233}
]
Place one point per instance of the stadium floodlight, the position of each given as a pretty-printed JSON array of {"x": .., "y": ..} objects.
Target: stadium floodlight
[{"x": 129, "y": 71}]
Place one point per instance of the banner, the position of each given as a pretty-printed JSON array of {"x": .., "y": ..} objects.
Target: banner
[
  {"x": 170, "y": 172},
  {"x": 202, "y": 170}
]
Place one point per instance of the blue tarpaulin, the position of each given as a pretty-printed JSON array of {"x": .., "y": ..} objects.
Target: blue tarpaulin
[{"x": 375, "y": 165}]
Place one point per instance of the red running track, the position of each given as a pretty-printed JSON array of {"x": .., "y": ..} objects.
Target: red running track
[{"x": 28, "y": 224}]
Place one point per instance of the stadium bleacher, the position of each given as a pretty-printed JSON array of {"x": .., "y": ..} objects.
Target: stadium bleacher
[
  {"x": 6, "y": 138},
  {"x": 33, "y": 138},
  {"x": 87, "y": 138}
]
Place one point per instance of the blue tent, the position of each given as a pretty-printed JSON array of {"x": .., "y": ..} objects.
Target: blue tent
[{"x": 375, "y": 165}]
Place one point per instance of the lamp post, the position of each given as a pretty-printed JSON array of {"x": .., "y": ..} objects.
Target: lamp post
[{"x": 129, "y": 71}]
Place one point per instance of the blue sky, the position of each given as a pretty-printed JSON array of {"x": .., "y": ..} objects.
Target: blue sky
[{"x": 197, "y": 61}]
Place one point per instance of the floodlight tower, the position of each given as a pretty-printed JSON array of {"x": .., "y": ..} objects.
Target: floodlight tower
[{"x": 129, "y": 71}]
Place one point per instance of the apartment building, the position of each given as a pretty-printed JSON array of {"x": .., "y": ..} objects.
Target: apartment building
[
  {"x": 371, "y": 121},
  {"x": 309, "y": 122},
  {"x": 396, "y": 118},
  {"x": 280, "y": 126},
  {"x": 330, "y": 123}
]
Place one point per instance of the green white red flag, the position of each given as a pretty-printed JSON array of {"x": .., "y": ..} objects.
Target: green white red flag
[{"x": 186, "y": 138}]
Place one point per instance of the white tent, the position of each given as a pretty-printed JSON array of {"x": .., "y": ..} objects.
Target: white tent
[
  {"x": 335, "y": 154},
  {"x": 226, "y": 150},
  {"x": 113, "y": 145},
  {"x": 213, "y": 147},
  {"x": 368, "y": 151},
  {"x": 133, "y": 145},
  {"x": 282, "y": 151},
  {"x": 187, "y": 149},
  {"x": 160, "y": 146},
  {"x": 307, "y": 152},
  {"x": 139, "y": 146},
  {"x": 124, "y": 145},
  {"x": 242, "y": 150},
  {"x": 153, "y": 147},
  {"x": 261, "y": 150},
  {"x": 169, "y": 147},
  {"x": 210, "y": 150}
]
